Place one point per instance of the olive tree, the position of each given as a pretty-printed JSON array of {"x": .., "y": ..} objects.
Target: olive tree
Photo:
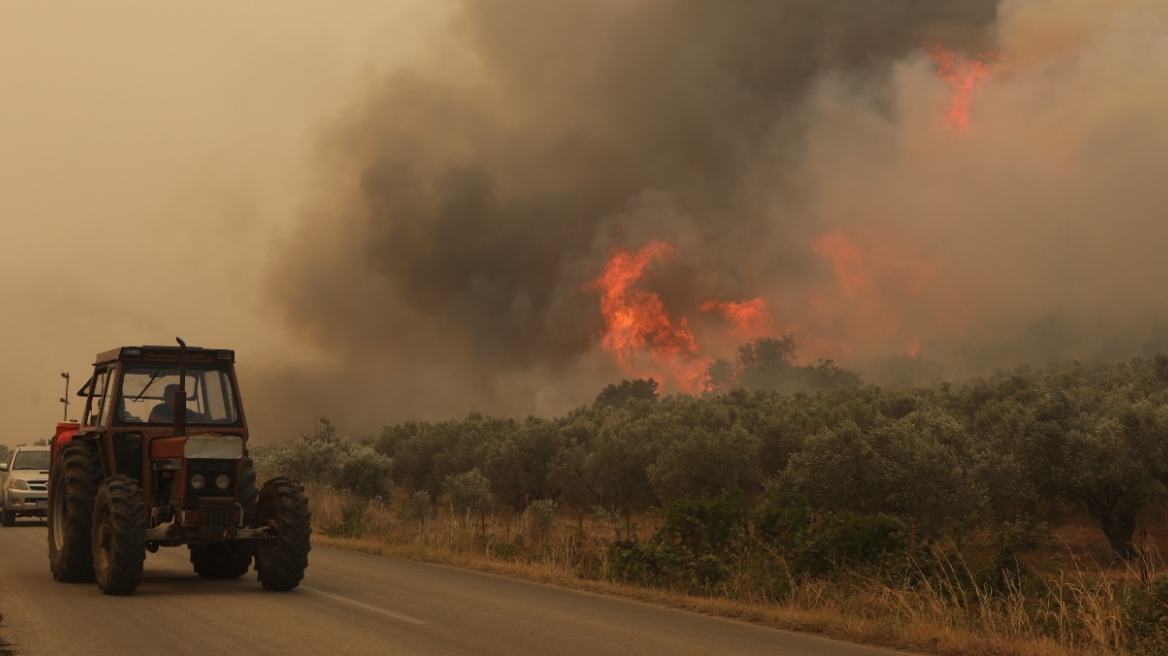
[
  {"x": 1106, "y": 450},
  {"x": 705, "y": 463},
  {"x": 912, "y": 467},
  {"x": 323, "y": 458},
  {"x": 469, "y": 492}
]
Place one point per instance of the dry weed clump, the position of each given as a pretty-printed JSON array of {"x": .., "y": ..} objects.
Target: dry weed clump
[{"x": 933, "y": 602}]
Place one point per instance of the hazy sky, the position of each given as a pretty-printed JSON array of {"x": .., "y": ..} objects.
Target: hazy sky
[
  {"x": 396, "y": 210},
  {"x": 150, "y": 154}
]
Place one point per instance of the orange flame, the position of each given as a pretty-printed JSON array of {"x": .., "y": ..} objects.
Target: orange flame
[
  {"x": 965, "y": 76},
  {"x": 751, "y": 319},
  {"x": 636, "y": 320},
  {"x": 884, "y": 297}
]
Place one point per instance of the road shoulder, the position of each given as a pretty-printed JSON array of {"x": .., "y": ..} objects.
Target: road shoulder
[{"x": 821, "y": 625}]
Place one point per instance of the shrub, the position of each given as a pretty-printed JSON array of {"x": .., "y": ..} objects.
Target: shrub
[
  {"x": 850, "y": 539},
  {"x": 322, "y": 458},
  {"x": 1147, "y": 612},
  {"x": 647, "y": 564},
  {"x": 819, "y": 543},
  {"x": 415, "y": 507},
  {"x": 469, "y": 491},
  {"x": 352, "y": 523},
  {"x": 540, "y": 516}
]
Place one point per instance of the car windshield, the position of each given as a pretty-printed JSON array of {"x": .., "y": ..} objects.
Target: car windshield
[
  {"x": 148, "y": 395},
  {"x": 31, "y": 460}
]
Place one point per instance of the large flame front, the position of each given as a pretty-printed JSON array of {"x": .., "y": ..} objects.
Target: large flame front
[
  {"x": 965, "y": 76},
  {"x": 879, "y": 280},
  {"x": 637, "y": 326}
]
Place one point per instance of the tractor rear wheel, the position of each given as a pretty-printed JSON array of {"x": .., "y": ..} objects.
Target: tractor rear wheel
[
  {"x": 281, "y": 562},
  {"x": 230, "y": 560},
  {"x": 119, "y": 535},
  {"x": 73, "y": 482}
]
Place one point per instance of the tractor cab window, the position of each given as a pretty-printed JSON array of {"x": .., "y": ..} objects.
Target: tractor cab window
[
  {"x": 148, "y": 394},
  {"x": 100, "y": 385}
]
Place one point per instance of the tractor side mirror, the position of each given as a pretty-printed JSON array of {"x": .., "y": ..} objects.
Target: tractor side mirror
[{"x": 180, "y": 412}]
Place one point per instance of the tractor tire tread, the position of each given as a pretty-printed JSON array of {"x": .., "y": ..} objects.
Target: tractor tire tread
[
  {"x": 78, "y": 468},
  {"x": 283, "y": 569},
  {"x": 128, "y": 552}
]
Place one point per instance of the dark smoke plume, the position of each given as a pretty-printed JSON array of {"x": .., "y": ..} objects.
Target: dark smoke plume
[{"x": 466, "y": 204}]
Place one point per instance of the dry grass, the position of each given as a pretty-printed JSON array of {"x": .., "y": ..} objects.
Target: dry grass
[{"x": 1071, "y": 609}]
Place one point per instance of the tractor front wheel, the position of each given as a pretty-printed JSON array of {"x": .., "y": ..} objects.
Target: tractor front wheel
[
  {"x": 281, "y": 562},
  {"x": 73, "y": 482},
  {"x": 119, "y": 536}
]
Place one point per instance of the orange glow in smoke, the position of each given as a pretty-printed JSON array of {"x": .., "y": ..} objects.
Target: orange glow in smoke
[
  {"x": 751, "y": 319},
  {"x": 965, "y": 76},
  {"x": 636, "y": 323},
  {"x": 876, "y": 267},
  {"x": 879, "y": 281},
  {"x": 883, "y": 297}
]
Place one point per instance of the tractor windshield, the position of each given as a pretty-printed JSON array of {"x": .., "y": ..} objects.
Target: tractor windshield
[{"x": 148, "y": 393}]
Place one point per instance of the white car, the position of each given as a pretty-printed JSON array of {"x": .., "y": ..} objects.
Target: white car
[{"x": 24, "y": 484}]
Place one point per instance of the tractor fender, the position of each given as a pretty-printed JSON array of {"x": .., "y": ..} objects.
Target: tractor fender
[{"x": 64, "y": 434}]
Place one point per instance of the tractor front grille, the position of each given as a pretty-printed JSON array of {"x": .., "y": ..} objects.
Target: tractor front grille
[{"x": 216, "y": 514}]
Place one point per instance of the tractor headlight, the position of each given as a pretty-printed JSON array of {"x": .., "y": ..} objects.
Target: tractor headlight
[
  {"x": 17, "y": 484},
  {"x": 222, "y": 481},
  {"x": 198, "y": 482}
]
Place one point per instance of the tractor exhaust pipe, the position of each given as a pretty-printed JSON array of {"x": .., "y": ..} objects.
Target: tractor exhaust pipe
[{"x": 180, "y": 399}]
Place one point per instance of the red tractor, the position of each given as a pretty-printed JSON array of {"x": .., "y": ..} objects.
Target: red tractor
[{"x": 160, "y": 460}]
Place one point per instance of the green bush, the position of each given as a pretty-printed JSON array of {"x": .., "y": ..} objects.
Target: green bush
[
  {"x": 847, "y": 539},
  {"x": 819, "y": 543},
  {"x": 415, "y": 508},
  {"x": 1147, "y": 611},
  {"x": 648, "y": 564},
  {"x": 352, "y": 524},
  {"x": 323, "y": 458}
]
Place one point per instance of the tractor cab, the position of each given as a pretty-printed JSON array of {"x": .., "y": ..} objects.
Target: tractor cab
[{"x": 162, "y": 448}]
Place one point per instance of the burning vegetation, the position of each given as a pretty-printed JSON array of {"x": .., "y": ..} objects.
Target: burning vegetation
[
  {"x": 965, "y": 75},
  {"x": 637, "y": 324},
  {"x": 572, "y": 192},
  {"x": 676, "y": 193}
]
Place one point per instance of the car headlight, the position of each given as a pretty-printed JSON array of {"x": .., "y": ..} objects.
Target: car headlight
[
  {"x": 198, "y": 482},
  {"x": 222, "y": 481},
  {"x": 17, "y": 484}
]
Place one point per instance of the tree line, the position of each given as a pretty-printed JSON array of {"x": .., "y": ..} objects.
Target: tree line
[{"x": 1026, "y": 445}]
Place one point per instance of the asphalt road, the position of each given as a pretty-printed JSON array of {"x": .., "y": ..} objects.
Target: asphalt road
[{"x": 351, "y": 603}]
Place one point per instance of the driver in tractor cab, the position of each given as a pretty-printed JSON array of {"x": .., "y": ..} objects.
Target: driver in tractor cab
[{"x": 163, "y": 413}]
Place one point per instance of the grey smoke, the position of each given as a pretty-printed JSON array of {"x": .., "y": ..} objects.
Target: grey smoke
[{"x": 464, "y": 204}]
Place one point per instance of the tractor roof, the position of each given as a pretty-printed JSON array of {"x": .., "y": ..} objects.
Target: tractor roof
[{"x": 195, "y": 354}]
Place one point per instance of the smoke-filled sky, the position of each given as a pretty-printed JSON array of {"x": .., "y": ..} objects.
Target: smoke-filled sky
[{"x": 411, "y": 210}]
